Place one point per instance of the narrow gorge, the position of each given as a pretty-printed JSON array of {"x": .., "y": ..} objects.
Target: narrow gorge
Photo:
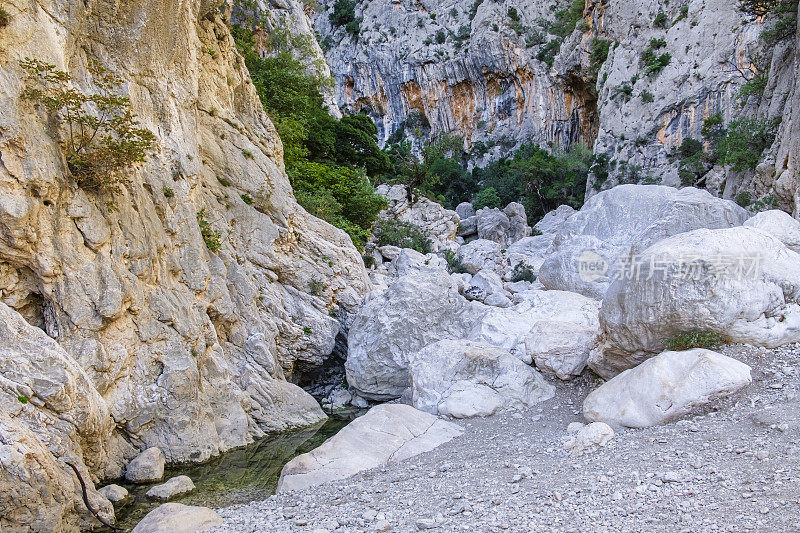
[{"x": 394, "y": 265}]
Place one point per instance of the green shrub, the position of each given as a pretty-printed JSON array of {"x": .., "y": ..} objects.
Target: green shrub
[
  {"x": 22, "y": 399},
  {"x": 549, "y": 51},
  {"x": 744, "y": 199},
  {"x": 488, "y": 197},
  {"x": 522, "y": 272},
  {"x": 344, "y": 12},
  {"x": 247, "y": 154},
  {"x": 246, "y": 198},
  {"x": 339, "y": 195},
  {"x": 745, "y": 141},
  {"x": 5, "y": 18},
  {"x": 753, "y": 87},
  {"x": 224, "y": 182},
  {"x": 657, "y": 64},
  {"x": 513, "y": 14},
  {"x": 316, "y": 287},
  {"x": 369, "y": 261},
  {"x": 661, "y": 20},
  {"x": 168, "y": 192},
  {"x": 648, "y": 97},
  {"x": 455, "y": 264},
  {"x": 598, "y": 53},
  {"x": 212, "y": 238},
  {"x": 401, "y": 234},
  {"x": 96, "y": 148},
  {"x": 441, "y": 37},
  {"x": 695, "y": 339}
]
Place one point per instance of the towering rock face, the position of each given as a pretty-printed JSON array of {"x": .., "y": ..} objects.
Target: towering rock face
[
  {"x": 190, "y": 350},
  {"x": 462, "y": 67},
  {"x": 781, "y": 174}
]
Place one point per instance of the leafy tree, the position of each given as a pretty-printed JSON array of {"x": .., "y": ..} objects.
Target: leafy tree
[
  {"x": 102, "y": 136},
  {"x": 339, "y": 195},
  {"x": 745, "y": 142},
  {"x": 356, "y": 144}
]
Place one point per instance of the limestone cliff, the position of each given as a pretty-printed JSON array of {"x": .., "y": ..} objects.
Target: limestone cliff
[
  {"x": 189, "y": 350},
  {"x": 480, "y": 69},
  {"x": 460, "y": 67}
]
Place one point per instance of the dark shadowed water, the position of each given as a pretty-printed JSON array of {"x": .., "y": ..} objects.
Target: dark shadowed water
[{"x": 238, "y": 476}]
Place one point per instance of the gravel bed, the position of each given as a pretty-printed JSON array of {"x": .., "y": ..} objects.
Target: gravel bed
[{"x": 733, "y": 467}]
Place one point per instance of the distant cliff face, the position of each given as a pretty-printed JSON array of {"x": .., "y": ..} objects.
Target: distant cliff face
[
  {"x": 484, "y": 70},
  {"x": 190, "y": 349},
  {"x": 461, "y": 67}
]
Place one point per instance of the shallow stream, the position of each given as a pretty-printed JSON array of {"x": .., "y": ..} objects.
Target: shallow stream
[{"x": 238, "y": 476}]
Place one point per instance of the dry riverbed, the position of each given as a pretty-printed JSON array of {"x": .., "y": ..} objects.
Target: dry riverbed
[{"x": 735, "y": 467}]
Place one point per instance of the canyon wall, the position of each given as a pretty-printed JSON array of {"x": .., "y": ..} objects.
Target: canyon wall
[{"x": 182, "y": 348}]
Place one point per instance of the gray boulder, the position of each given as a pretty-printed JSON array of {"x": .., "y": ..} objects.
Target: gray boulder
[
  {"x": 493, "y": 225},
  {"x": 593, "y": 244},
  {"x": 464, "y": 379},
  {"x": 113, "y": 493},
  {"x": 145, "y": 467},
  {"x": 740, "y": 283},
  {"x": 518, "y": 223},
  {"x": 465, "y": 210},
  {"x": 664, "y": 388},
  {"x": 173, "y": 487},
  {"x": 178, "y": 518},
  {"x": 551, "y": 223},
  {"x": 413, "y": 312},
  {"x": 386, "y": 434}
]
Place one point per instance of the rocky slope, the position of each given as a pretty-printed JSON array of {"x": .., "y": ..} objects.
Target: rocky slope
[{"x": 180, "y": 348}]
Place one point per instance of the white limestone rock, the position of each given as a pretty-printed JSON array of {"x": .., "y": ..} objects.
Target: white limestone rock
[
  {"x": 174, "y": 486},
  {"x": 415, "y": 311},
  {"x": 780, "y": 225},
  {"x": 481, "y": 254},
  {"x": 551, "y": 223},
  {"x": 622, "y": 221},
  {"x": 464, "y": 379},
  {"x": 386, "y": 434},
  {"x": 178, "y": 518},
  {"x": 440, "y": 224},
  {"x": 739, "y": 283},
  {"x": 665, "y": 388},
  {"x": 49, "y": 413},
  {"x": 518, "y": 329},
  {"x": 114, "y": 493},
  {"x": 588, "y": 437}
]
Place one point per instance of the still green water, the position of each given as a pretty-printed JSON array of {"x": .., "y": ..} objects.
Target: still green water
[{"x": 238, "y": 476}]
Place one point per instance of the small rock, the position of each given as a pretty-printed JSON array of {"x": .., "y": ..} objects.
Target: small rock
[
  {"x": 173, "y": 487},
  {"x": 177, "y": 518},
  {"x": 113, "y": 493},
  {"x": 145, "y": 467}
]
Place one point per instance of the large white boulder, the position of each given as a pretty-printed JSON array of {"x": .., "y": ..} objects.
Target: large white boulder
[
  {"x": 518, "y": 219},
  {"x": 551, "y": 223},
  {"x": 592, "y": 244},
  {"x": 481, "y": 254},
  {"x": 530, "y": 251},
  {"x": 780, "y": 225},
  {"x": 493, "y": 225},
  {"x": 178, "y": 518},
  {"x": 565, "y": 319},
  {"x": 463, "y": 379},
  {"x": 413, "y": 312},
  {"x": 145, "y": 467},
  {"x": 665, "y": 388},
  {"x": 387, "y": 433},
  {"x": 174, "y": 486},
  {"x": 739, "y": 283}
]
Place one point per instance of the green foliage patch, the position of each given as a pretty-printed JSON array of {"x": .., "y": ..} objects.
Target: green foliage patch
[
  {"x": 401, "y": 234},
  {"x": 695, "y": 339},
  {"x": 102, "y": 137}
]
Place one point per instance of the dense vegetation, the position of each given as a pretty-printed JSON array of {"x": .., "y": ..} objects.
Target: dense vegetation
[
  {"x": 539, "y": 179},
  {"x": 330, "y": 162},
  {"x": 738, "y": 146}
]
